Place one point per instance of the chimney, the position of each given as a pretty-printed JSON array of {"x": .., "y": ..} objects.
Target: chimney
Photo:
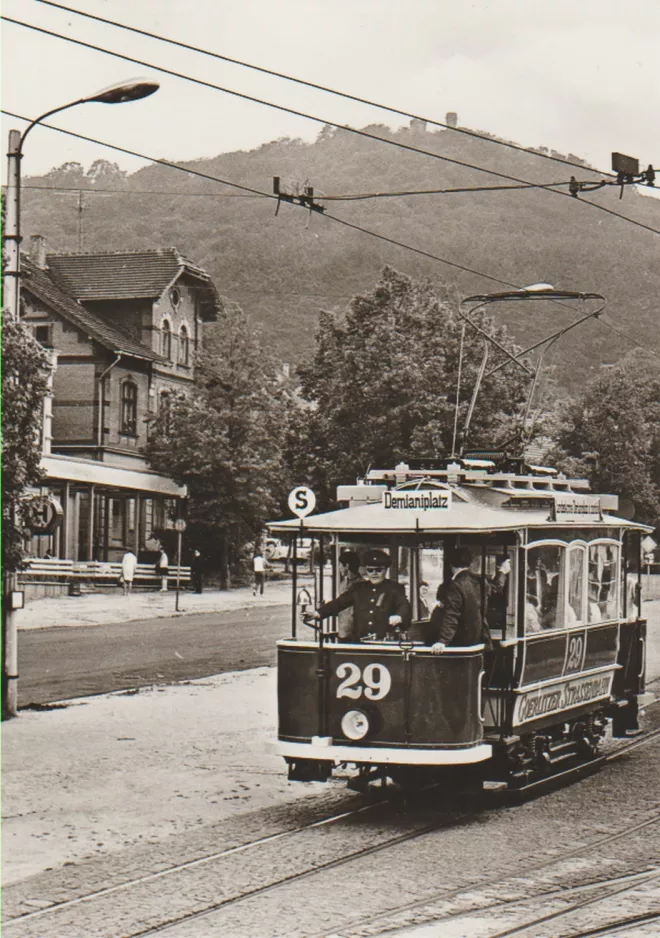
[
  {"x": 451, "y": 120},
  {"x": 417, "y": 125},
  {"x": 38, "y": 250}
]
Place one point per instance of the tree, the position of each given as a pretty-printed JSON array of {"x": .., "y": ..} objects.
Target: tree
[
  {"x": 611, "y": 433},
  {"x": 382, "y": 384},
  {"x": 224, "y": 440},
  {"x": 25, "y": 371}
]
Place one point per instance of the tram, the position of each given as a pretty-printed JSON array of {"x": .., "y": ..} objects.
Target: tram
[
  {"x": 567, "y": 635},
  {"x": 566, "y": 654}
]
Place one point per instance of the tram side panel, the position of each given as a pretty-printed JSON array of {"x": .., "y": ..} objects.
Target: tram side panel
[{"x": 410, "y": 699}]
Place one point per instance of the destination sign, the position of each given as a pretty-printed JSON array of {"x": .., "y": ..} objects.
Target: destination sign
[
  {"x": 563, "y": 696},
  {"x": 573, "y": 507},
  {"x": 418, "y": 499}
]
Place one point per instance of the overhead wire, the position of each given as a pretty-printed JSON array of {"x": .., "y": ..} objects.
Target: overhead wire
[
  {"x": 306, "y": 116},
  {"x": 273, "y": 197},
  {"x": 317, "y": 87},
  {"x": 321, "y": 197}
]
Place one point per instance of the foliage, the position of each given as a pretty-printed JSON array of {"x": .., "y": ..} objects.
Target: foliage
[
  {"x": 25, "y": 371},
  {"x": 382, "y": 384},
  {"x": 611, "y": 433},
  {"x": 224, "y": 440},
  {"x": 283, "y": 268}
]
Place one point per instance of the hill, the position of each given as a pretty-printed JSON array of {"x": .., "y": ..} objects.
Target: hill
[{"x": 283, "y": 269}]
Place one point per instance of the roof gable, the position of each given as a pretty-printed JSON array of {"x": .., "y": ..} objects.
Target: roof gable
[
  {"x": 40, "y": 285},
  {"x": 122, "y": 275}
]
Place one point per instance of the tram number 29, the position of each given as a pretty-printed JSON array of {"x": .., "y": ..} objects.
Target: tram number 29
[
  {"x": 575, "y": 649},
  {"x": 374, "y": 682}
]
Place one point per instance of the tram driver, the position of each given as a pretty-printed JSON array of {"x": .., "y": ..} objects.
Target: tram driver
[
  {"x": 379, "y": 605},
  {"x": 458, "y": 619}
]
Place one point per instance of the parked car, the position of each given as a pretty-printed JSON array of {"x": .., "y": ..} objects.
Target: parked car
[{"x": 275, "y": 550}]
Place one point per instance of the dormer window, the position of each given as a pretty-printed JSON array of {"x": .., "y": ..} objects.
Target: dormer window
[
  {"x": 129, "y": 408},
  {"x": 166, "y": 340},
  {"x": 184, "y": 346}
]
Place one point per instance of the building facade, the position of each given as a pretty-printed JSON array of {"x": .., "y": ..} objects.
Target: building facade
[{"x": 122, "y": 330}]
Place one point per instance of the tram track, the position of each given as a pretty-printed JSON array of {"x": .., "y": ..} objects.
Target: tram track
[{"x": 448, "y": 819}]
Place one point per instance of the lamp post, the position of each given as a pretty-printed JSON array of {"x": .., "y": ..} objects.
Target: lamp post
[
  {"x": 116, "y": 94},
  {"x": 11, "y": 295}
]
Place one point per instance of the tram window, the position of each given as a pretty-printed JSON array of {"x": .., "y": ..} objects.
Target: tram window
[
  {"x": 431, "y": 569},
  {"x": 603, "y": 582},
  {"x": 574, "y": 609},
  {"x": 544, "y": 607}
]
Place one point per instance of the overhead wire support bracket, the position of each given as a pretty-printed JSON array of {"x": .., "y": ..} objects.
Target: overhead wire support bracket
[{"x": 306, "y": 199}]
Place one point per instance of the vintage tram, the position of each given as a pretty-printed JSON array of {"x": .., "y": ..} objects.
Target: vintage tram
[{"x": 567, "y": 656}]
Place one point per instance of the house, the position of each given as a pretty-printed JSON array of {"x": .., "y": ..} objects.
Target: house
[{"x": 123, "y": 329}]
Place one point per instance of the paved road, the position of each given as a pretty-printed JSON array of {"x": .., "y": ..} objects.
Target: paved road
[{"x": 60, "y": 663}]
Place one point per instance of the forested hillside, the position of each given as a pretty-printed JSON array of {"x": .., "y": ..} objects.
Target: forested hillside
[{"x": 284, "y": 269}]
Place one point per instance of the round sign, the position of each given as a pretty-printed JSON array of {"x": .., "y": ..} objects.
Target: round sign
[
  {"x": 180, "y": 524},
  {"x": 302, "y": 501}
]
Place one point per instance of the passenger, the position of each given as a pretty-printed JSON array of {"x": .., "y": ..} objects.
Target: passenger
[
  {"x": 459, "y": 619},
  {"x": 349, "y": 573},
  {"x": 532, "y": 621},
  {"x": 423, "y": 598},
  {"x": 379, "y": 604}
]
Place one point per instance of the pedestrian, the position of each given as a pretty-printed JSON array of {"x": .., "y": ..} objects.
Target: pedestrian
[
  {"x": 162, "y": 569},
  {"x": 259, "y": 569},
  {"x": 196, "y": 571},
  {"x": 128, "y": 567}
]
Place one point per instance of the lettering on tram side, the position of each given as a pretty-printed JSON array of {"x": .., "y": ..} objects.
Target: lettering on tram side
[
  {"x": 418, "y": 500},
  {"x": 563, "y": 696},
  {"x": 575, "y": 507}
]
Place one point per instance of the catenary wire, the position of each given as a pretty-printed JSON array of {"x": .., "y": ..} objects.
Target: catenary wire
[
  {"x": 288, "y": 110},
  {"x": 350, "y": 197},
  {"x": 271, "y": 196},
  {"x": 317, "y": 87},
  {"x": 246, "y": 97}
]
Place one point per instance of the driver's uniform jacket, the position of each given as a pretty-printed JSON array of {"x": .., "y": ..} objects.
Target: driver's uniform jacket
[{"x": 373, "y": 604}]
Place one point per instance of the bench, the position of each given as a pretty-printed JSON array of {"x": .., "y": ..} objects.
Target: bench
[{"x": 46, "y": 576}]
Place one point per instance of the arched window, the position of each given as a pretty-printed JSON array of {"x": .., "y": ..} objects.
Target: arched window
[
  {"x": 184, "y": 346},
  {"x": 129, "y": 393},
  {"x": 166, "y": 340}
]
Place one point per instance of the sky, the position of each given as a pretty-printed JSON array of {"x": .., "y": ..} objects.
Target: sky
[{"x": 578, "y": 77}]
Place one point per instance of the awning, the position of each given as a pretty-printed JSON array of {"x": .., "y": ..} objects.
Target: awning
[{"x": 97, "y": 473}]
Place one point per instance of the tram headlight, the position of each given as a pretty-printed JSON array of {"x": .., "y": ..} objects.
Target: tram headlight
[{"x": 355, "y": 724}]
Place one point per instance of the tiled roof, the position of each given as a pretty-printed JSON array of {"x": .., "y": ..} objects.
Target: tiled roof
[
  {"x": 122, "y": 274},
  {"x": 38, "y": 282}
]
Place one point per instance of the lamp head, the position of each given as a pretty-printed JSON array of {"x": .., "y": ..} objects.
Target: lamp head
[{"x": 123, "y": 91}]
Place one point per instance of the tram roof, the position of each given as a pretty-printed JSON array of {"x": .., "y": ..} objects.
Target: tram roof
[{"x": 460, "y": 517}]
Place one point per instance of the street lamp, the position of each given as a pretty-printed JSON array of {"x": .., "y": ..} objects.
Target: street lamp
[{"x": 116, "y": 94}]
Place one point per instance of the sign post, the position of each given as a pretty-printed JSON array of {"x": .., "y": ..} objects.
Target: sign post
[
  {"x": 179, "y": 527},
  {"x": 302, "y": 502}
]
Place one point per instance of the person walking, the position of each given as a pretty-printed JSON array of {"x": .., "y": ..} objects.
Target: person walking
[
  {"x": 163, "y": 569},
  {"x": 259, "y": 569},
  {"x": 128, "y": 567},
  {"x": 196, "y": 571}
]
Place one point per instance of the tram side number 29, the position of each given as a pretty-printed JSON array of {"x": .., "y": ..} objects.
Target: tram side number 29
[{"x": 374, "y": 682}]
